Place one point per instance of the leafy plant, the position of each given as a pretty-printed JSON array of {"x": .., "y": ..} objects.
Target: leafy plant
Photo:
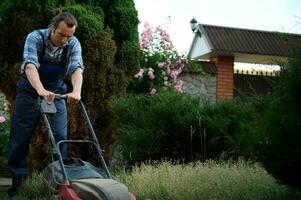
[
  {"x": 280, "y": 125},
  {"x": 151, "y": 127},
  {"x": 4, "y": 136}
]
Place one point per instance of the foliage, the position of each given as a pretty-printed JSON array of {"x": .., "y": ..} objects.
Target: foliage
[
  {"x": 160, "y": 63},
  {"x": 229, "y": 128},
  {"x": 33, "y": 188},
  {"x": 122, "y": 18},
  {"x": 196, "y": 68},
  {"x": 154, "y": 127},
  {"x": 209, "y": 180},
  {"x": 90, "y": 20},
  {"x": 280, "y": 125},
  {"x": 173, "y": 125},
  {"x": 4, "y": 136}
]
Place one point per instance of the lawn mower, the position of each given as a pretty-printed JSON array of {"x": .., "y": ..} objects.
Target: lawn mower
[{"x": 73, "y": 178}]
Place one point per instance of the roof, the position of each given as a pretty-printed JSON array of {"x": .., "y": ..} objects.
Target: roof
[{"x": 231, "y": 41}]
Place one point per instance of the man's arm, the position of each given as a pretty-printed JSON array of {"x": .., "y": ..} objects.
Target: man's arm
[
  {"x": 76, "y": 80},
  {"x": 34, "y": 79}
]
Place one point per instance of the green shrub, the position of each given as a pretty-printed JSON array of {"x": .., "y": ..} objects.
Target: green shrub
[
  {"x": 151, "y": 127},
  {"x": 172, "y": 125},
  {"x": 122, "y": 18},
  {"x": 90, "y": 20},
  {"x": 4, "y": 136},
  {"x": 229, "y": 127},
  {"x": 280, "y": 126}
]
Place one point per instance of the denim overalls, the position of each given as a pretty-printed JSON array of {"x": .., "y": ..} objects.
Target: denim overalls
[{"x": 26, "y": 113}]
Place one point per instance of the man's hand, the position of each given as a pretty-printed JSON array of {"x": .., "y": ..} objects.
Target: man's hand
[
  {"x": 34, "y": 79},
  {"x": 73, "y": 97},
  {"x": 47, "y": 95}
]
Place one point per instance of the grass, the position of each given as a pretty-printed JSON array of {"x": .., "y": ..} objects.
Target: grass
[
  {"x": 210, "y": 180},
  {"x": 168, "y": 181},
  {"x": 32, "y": 189},
  {"x": 3, "y": 193}
]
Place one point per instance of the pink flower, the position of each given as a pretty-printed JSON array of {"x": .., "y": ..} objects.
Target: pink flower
[
  {"x": 153, "y": 91},
  {"x": 178, "y": 86},
  {"x": 151, "y": 73},
  {"x": 2, "y": 119},
  {"x": 174, "y": 74},
  {"x": 139, "y": 74},
  {"x": 160, "y": 65}
]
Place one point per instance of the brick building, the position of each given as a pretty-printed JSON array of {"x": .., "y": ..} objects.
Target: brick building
[{"x": 223, "y": 46}]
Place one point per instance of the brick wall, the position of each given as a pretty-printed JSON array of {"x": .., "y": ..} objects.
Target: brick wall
[{"x": 224, "y": 76}]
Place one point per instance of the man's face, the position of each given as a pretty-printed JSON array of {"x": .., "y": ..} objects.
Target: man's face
[{"x": 61, "y": 34}]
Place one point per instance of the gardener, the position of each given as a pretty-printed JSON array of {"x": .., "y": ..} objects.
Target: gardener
[{"x": 49, "y": 55}]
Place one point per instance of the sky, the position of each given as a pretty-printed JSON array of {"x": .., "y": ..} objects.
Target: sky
[{"x": 270, "y": 15}]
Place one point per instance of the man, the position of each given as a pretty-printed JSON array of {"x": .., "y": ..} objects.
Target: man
[{"x": 49, "y": 55}]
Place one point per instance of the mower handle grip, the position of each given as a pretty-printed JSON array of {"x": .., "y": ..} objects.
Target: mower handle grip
[{"x": 60, "y": 96}]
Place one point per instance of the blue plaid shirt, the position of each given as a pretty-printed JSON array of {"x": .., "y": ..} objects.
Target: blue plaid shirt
[{"x": 33, "y": 48}]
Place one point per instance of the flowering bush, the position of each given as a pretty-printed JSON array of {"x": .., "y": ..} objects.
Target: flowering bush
[
  {"x": 4, "y": 135},
  {"x": 2, "y": 119},
  {"x": 160, "y": 63}
]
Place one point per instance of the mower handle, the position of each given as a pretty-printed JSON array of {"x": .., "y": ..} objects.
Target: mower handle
[
  {"x": 60, "y": 96},
  {"x": 90, "y": 127}
]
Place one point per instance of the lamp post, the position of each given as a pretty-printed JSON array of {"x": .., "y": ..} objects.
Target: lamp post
[{"x": 193, "y": 25}]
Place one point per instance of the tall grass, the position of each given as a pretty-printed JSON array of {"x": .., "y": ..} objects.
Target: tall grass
[
  {"x": 209, "y": 180},
  {"x": 195, "y": 181},
  {"x": 33, "y": 189}
]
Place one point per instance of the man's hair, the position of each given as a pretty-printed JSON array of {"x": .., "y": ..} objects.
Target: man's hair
[{"x": 67, "y": 17}]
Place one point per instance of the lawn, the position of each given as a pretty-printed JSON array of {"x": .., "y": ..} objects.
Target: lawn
[
  {"x": 170, "y": 181},
  {"x": 3, "y": 193}
]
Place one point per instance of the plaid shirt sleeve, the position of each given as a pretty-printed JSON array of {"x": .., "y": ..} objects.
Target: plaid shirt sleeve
[
  {"x": 76, "y": 60},
  {"x": 30, "y": 53}
]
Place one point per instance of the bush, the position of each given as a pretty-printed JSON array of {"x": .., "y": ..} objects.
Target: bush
[
  {"x": 280, "y": 126},
  {"x": 159, "y": 61},
  {"x": 90, "y": 20},
  {"x": 4, "y": 136},
  {"x": 229, "y": 128},
  {"x": 173, "y": 125},
  {"x": 151, "y": 127}
]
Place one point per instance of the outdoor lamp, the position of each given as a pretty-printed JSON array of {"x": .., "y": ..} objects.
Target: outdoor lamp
[{"x": 193, "y": 24}]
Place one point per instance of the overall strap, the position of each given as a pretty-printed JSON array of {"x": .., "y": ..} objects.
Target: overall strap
[
  {"x": 64, "y": 57},
  {"x": 41, "y": 56}
]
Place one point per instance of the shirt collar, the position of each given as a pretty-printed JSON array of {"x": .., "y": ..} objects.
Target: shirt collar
[{"x": 48, "y": 32}]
